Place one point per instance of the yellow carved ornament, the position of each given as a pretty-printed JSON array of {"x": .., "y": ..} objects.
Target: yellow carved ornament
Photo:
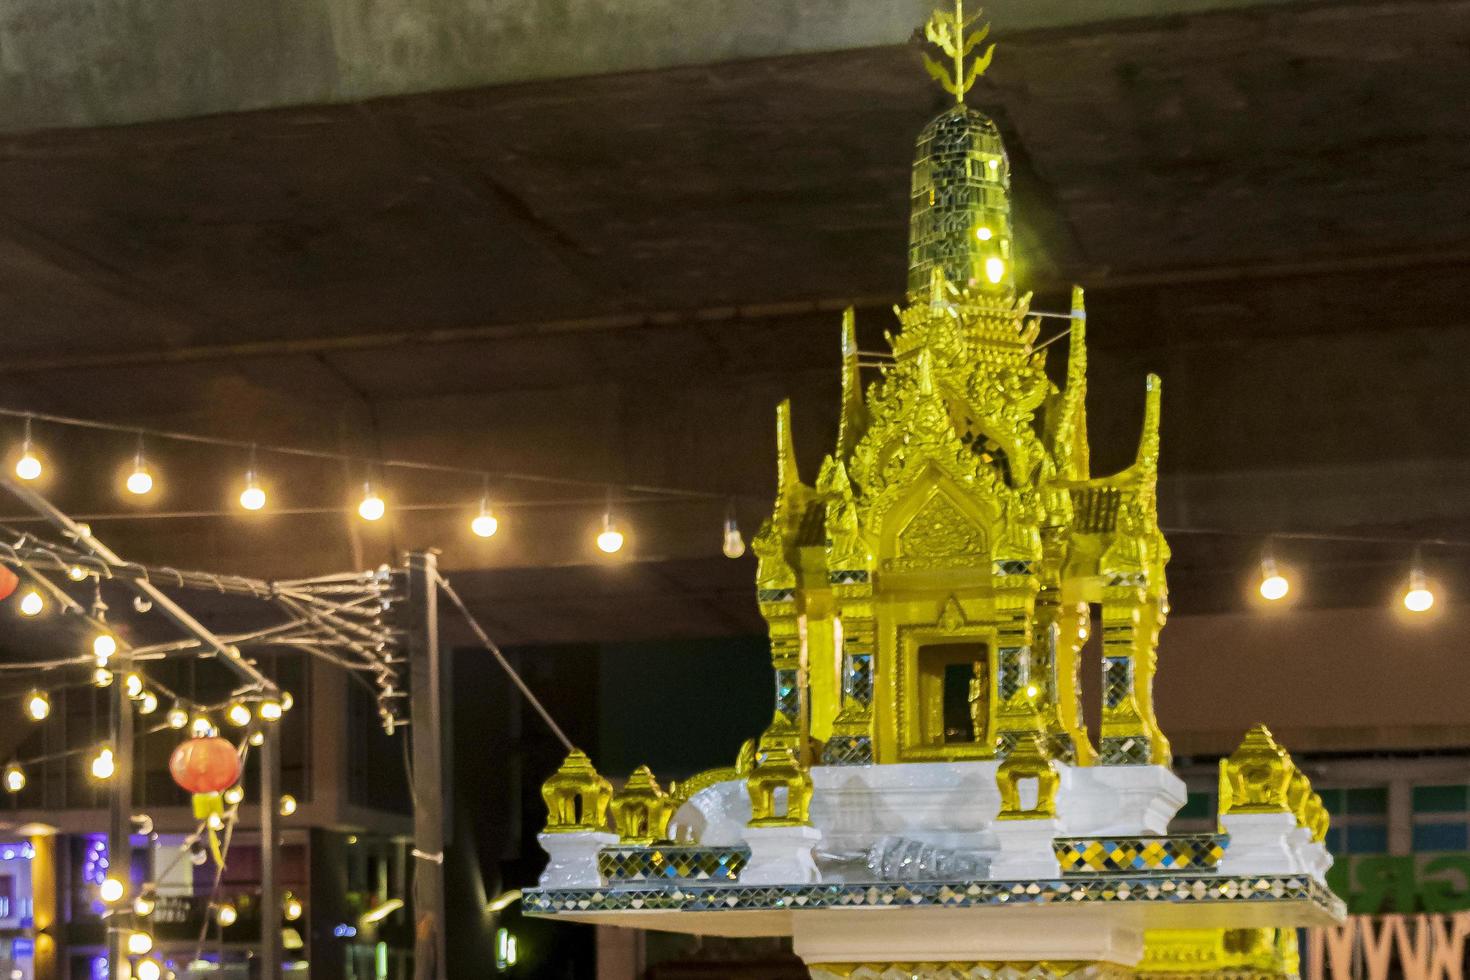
[
  {"x": 1258, "y": 774},
  {"x": 779, "y": 770},
  {"x": 576, "y": 797},
  {"x": 1028, "y": 760},
  {"x": 641, "y": 810}
]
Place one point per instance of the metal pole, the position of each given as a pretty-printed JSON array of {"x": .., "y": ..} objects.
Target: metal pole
[
  {"x": 429, "y": 790},
  {"x": 270, "y": 889},
  {"x": 120, "y": 815}
]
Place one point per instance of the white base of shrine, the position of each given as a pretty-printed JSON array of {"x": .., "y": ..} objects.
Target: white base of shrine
[
  {"x": 1261, "y": 843},
  {"x": 572, "y": 858},
  {"x": 781, "y": 856},
  {"x": 1025, "y": 850}
]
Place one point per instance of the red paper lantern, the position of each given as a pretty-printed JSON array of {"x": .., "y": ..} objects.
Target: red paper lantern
[
  {"x": 8, "y": 581},
  {"x": 205, "y": 765}
]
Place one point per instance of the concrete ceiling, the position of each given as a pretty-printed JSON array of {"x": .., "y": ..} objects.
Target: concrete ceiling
[{"x": 615, "y": 278}]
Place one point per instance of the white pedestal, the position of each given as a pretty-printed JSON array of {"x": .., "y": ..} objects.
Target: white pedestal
[
  {"x": 573, "y": 858},
  {"x": 1025, "y": 850},
  {"x": 1105, "y": 801},
  {"x": 781, "y": 856},
  {"x": 1316, "y": 859},
  {"x": 1260, "y": 843}
]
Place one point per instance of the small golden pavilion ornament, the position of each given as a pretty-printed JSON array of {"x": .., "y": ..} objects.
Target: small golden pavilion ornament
[{"x": 927, "y": 800}]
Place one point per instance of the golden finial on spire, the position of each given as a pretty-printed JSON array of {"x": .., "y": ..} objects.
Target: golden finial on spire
[{"x": 946, "y": 31}]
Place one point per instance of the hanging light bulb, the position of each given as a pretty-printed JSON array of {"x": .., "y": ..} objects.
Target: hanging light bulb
[
  {"x": 371, "y": 508},
  {"x": 15, "y": 778},
  {"x": 270, "y": 709},
  {"x": 144, "y": 905},
  {"x": 177, "y": 717},
  {"x": 76, "y": 573},
  {"x": 103, "y": 764},
  {"x": 31, "y": 603},
  {"x": 148, "y": 969},
  {"x": 287, "y": 701},
  {"x": 291, "y": 907},
  {"x": 485, "y": 524},
  {"x": 226, "y": 914},
  {"x": 134, "y": 686},
  {"x": 148, "y": 703},
  {"x": 1274, "y": 586},
  {"x": 203, "y": 727},
  {"x": 733, "y": 544},
  {"x": 102, "y": 677},
  {"x": 139, "y": 943},
  {"x": 38, "y": 705},
  {"x": 610, "y": 541},
  {"x": 234, "y": 795},
  {"x": 252, "y": 497},
  {"x": 1418, "y": 596},
  {"x": 140, "y": 481},
  {"x": 238, "y": 714},
  {"x": 288, "y": 805},
  {"x": 215, "y": 822},
  {"x": 28, "y": 467},
  {"x": 103, "y": 647},
  {"x": 257, "y": 738},
  {"x": 142, "y": 604},
  {"x": 111, "y": 890}
]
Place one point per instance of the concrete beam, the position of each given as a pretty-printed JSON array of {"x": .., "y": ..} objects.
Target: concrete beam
[{"x": 82, "y": 63}]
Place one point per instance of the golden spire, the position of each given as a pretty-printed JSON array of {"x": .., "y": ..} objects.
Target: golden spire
[
  {"x": 946, "y": 31},
  {"x": 1070, "y": 446},
  {"x": 788, "y": 480},
  {"x": 854, "y": 417},
  {"x": 1148, "y": 444}
]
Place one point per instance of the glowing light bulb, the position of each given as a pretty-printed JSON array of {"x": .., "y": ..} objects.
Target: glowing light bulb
[
  {"x": 257, "y": 738},
  {"x": 215, "y": 822},
  {"x": 76, "y": 573},
  {"x": 1274, "y": 585},
  {"x": 140, "y": 481},
  {"x": 203, "y": 727},
  {"x": 177, "y": 717},
  {"x": 270, "y": 710},
  {"x": 995, "y": 269},
  {"x": 1418, "y": 597},
  {"x": 148, "y": 703},
  {"x": 104, "y": 646},
  {"x": 292, "y": 907},
  {"x": 38, "y": 705},
  {"x": 15, "y": 778},
  {"x": 148, "y": 969},
  {"x": 984, "y": 234},
  {"x": 31, "y": 603},
  {"x": 234, "y": 795},
  {"x": 143, "y": 905},
  {"x": 103, "y": 764},
  {"x": 372, "y": 507},
  {"x": 139, "y": 943},
  {"x": 610, "y": 540},
  {"x": 288, "y": 805},
  {"x": 238, "y": 714},
  {"x": 102, "y": 677},
  {"x": 1032, "y": 690},
  {"x": 111, "y": 890},
  {"x": 253, "y": 496},
  {"x": 287, "y": 701},
  {"x": 28, "y": 467},
  {"x": 733, "y": 544},
  {"x": 485, "y": 524},
  {"x": 134, "y": 685},
  {"x": 226, "y": 915}
]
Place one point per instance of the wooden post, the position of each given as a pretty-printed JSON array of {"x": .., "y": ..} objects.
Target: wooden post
[
  {"x": 430, "y": 790},
  {"x": 270, "y": 889}
]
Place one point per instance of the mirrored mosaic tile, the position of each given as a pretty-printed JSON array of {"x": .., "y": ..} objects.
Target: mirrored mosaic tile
[
  {"x": 1089, "y": 855},
  {"x": 660, "y": 862},
  {"x": 848, "y": 750},
  {"x": 1124, "y": 750},
  {"x": 1012, "y": 675},
  {"x": 1117, "y": 680}
]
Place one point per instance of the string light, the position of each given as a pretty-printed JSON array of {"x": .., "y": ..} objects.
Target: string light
[
  {"x": 140, "y": 481},
  {"x": 143, "y": 905},
  {"x": 287, "y": 701},
  {"x": 28, "y": 467},
  {"x": 111, "y": 890},
  {"x": 270, "y": 709},
  {"x": 134, "y": 685},
  {"x": 148, "y": 703},
  {"x": 257, "y": 738},
  {"x": 102, "y": 677},
  {"x": 234, "y": 795},
  {"x": 148, "y": 969},
  {"x": 253, "y": 496},
  {"x": 203, "y": 727},
  {"x": 215, "y": 822},
  {"x": 288, "y": 805},
  {"x": 610, "y": 540},
  {"x": 372, "y": 507},
  {"x": 31, "y": 604},
  {"x": 139, "y": 943},
  {"x": 103, "y": 764},
  {"x": 1274, "y": 586},
  {"x": 15, "y": 778},
  {"x": 226, "y": 914},
  {"x": 177, "y": 717},
  {"x": 1418, "y": 596},
  {"x": 733, "y": 545},
  {"x": 103, "y": 647},
  {"x": 238, "y": 714},
  {"x": 38, "y": 705},
  {"x": 76, "y": 573},
  {"x": 292, "y": 907}
]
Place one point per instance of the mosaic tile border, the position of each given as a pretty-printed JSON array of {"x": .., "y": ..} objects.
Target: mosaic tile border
[
  {"x": 669, "y": 862},
  {"x": 1201, "y": 889},
  {"x": 1137, "y": 854}
]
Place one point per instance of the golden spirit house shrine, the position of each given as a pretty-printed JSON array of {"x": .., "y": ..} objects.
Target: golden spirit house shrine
[{"x": 927, "y": 801}]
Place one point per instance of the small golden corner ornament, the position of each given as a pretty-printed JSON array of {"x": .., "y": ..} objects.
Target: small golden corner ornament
[{"x": 928, "y": 598}]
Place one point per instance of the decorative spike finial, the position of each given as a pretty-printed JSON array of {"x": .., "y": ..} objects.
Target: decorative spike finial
[
  {"x": 788, "y": 480},
  {"x": 854, "y": 418},
  {"x": 1148, "y": 444},
  {"x": 946, "y": 31}
]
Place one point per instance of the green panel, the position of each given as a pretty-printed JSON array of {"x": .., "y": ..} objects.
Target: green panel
[
  {"x": 1198, "y": 806},
  {"x": 1332, "y": 799},
  {"x": 1441, "y": 799},
  {"x": 1369, "y": 801}
]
